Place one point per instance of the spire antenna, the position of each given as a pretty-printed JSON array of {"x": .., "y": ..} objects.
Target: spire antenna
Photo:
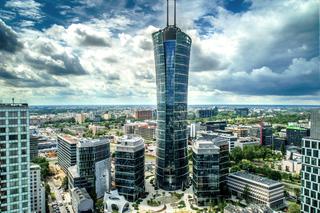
[
  {"x": 167, "y": 13},
  {"x": 169, "y": 8},
  {"x": 175, "y": 12}
]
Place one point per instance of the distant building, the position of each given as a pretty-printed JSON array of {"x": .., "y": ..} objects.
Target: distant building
[
  {"x": 34, "y": 146},
  {"x": 143, "y": 114},
  {"x": 310, "y": 175},
  {"x": 206, "y": 113},
  {"x": 205, "y": 175},
  {"x": 67, "y": 151},
  {"x": 240, "y": 131},
  {"x": 107, "y": 116},
  {"x": 113, "y": 202},
  {"x": 247, "y": 141},
  {"x": 214, "y": 125},
  {"x": 295, "y": 135},
  {"x": 266, "y": 136},
  {"x": 93, "y": 168},
  {"x": 279, "y": 142},
  {"x": 260, "y": 190},
  {"x": 242, "y": 111},
  {"x": 80, "y": 118},
  {"x": 81, "y": 201},
  {"x": 209, "y": 135},
  {"x": 146, "y": 130},
  {"x": 129, "y": 167},
  {"x": 194, "y": 128},
  {"x": 37, "y": 190},
  {"x": 15, "y": 158}
]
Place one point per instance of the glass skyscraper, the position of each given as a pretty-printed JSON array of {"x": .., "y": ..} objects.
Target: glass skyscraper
[
  {"x": 172, "y": 56},
  {"x": 15, "y": 158}
]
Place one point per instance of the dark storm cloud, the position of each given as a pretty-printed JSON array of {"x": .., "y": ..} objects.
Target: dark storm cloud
[
  {"x": 8, "y": 39},
  {"x": 201, "y": 62},
  {"x": 299, "y": 79}
]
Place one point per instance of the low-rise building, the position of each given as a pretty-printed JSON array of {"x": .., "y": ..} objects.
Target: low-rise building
[
  {"x": 252, "y": 208},
  {"x": 259, "y": 189},
  {"x": 81, "y": 201},
  {"x": 247, "y": 141},
  {"x": 143, "y": 114},
  {"x": 80, "y": 118},
  {"x": 113, "y": 202}
]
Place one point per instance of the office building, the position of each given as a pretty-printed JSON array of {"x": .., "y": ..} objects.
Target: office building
[
  {"x": 143, "y": 114},
  {"x": 215, "y": 125},
  {"x": 81, "y": 201},
  {"x": 205, "y": 173},
  {"x": 37, "y": 190},
  {"x": 266, "y": 136},
  {"x": 93, "y": 168},
  {"x": 206, "y": 113},
  {"x": 129, "y": 167},
  {"x": 295, "y": 135},
  {"x": 14, "y": 158},
  {"x": 310, "y": 175},
  {"x": 247, "y": 141},
  {"x": 259, "y": 190},
  {"x": 279, "y": 142},
  {"x": 194, "y": 128},
  {"x": 147, "y": 130},
  {"x": 34, "y": 139},
  {"x": 172, "y": 56},
  {"x": 209, "y": 135},
  {"x": 67, "y": 151},
  {"x": 242, "y": 111}
]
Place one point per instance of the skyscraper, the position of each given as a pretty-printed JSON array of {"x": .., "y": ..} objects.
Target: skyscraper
[
  {"x": 172, "y": 56},
  {"x": 15, "y": 158},
  {"x": 310, "y": 173}
]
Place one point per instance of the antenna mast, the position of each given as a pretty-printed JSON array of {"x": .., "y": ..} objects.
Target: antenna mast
[{"x": 174, "y": 13}]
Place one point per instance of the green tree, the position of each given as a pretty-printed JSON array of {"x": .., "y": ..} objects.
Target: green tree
[
  {"x": 294, "y": 208},
  {"x": 297, "y": 192},
  {"x": 44, "y": 164},
  {"x": 99, "y": 206},
  {"x": 65, "y": 183}
]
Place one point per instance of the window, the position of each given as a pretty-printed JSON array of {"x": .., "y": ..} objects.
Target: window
[
  {"x": 2, "y": 130},
  {"x": 13, "y": 121},
  {"x": 13, "y": 137}
]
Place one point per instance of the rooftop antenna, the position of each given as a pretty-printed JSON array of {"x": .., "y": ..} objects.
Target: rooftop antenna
[
  {"x": 12, "y": 100},
  {"x": 174, "y": 12}
]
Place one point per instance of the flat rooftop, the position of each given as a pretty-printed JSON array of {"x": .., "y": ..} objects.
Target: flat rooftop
[
  {"x": 5, "y": 105},
  {"x": 69, "y": 138},
  {"x": 255, "y": 178}
]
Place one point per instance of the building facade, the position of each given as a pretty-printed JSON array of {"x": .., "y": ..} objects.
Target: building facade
[
  {"x": 295, "y": 135},
  {"x": 172, "y": 56},
  {"x": 129, "y": 167},
  {"x": 81, "y": 201},
  {"x": 14, "y": 158},
  {"x": 34, "y": 146},
  {"x": 266, "y": 136},
  {"x": 310, "y": 175},
  {"x": 37, "y": 190},
  {"x": 206, "y": 113},
  {"x": 259, "y": 189},
  {"x": 143, "y": 114},
  {"x": 242, "y": 111},
  {"x": 67, "y": 151},
  {"x": 93, "y": 168},
  {"x": 205, "y": 173}
]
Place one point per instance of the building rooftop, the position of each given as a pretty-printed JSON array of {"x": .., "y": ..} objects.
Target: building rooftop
[
  {"x": 84, "y": 142},
  {"x": 73, "y": 171},
  {"x": 255, "y": 178},
  {"x": 68, "y": 138},
  {"x": 6, "y": 105},
  {"x": 296, "y": 128},
  {"x": 130, "y": 143},
  {"x": 80, "y": 194}
]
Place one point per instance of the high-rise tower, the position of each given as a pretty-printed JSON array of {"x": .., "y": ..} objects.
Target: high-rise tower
[{"x": 172, "y": 56}]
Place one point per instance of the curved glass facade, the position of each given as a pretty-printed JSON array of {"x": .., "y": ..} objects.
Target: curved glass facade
[{"x": 172, "y": 56}]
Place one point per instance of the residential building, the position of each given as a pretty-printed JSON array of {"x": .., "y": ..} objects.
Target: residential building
[
  {"x": 205, "y": 173},
  {"x": 80, "y": 118},
  {"x": 67, "y": 151},
  {"x": 37, "y": 190},
  {"x": 129, "y": 167},
  {"x": 259, "y": 189},
  {"x": 14, "y": 158},
  {"x": 242, "y": 111},
  {"x": 93, "y": 168},
  {"x": 310, "y": 175},
  {"x": 81, "y": 201},
  {"x": 295, "y": 135},
  {"x": 172, "y": 55},
  {"x": 147, "y": 130},
  {"x": 143, "y": 114}
]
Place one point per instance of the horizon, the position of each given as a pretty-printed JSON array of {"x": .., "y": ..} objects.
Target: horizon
[{"x": 88, "y": 52}]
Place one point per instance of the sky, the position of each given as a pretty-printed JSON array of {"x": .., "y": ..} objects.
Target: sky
[{"x": 101, "y": 51}]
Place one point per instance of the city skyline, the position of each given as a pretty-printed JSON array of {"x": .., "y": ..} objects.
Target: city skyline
[{"x": 96, "y": 52}]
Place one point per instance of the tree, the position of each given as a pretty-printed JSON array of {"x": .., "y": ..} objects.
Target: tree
[
  {"x": 294, "y": 208},
  {"x": 44, "y": 164},
  {"x": 283, "y": 149},
  {"x": 99, "y": 206},
  {"x": 297, "y": 192},
  {"x": 246, "y": 192},
  {"x": 65, "y": 183}
]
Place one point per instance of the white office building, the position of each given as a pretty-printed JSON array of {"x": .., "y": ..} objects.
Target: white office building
[
  {"x": 260, "y": 190},
  {"x": 37, "y": 191}
]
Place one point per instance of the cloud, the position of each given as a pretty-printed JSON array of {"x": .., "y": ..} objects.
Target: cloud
[
  {"x": 8, "y": 39},
  {"x": 26, "y": 8}
]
